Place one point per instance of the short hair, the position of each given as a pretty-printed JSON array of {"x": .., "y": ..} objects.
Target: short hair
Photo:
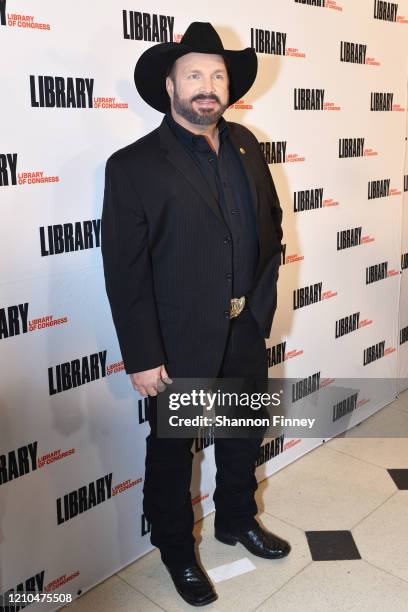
[{"x": 170, "y": 72}]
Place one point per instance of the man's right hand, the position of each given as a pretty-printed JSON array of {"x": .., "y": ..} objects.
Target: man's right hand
[{"x": 150, "y": 382}]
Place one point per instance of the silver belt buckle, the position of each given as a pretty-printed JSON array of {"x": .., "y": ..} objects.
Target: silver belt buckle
[{"x": 237, "y": 306}]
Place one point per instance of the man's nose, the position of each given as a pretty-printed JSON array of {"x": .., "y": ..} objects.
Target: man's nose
[{"x": 207, "y": 84}]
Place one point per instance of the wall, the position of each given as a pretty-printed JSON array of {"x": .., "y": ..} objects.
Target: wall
[{"x": 58, "y": 441}]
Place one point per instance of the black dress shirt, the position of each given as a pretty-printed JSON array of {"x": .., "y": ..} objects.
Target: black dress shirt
[{"x": 228, "y": 182}]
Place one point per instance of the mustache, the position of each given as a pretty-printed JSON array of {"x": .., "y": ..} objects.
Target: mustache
[{"x": 208, "y": 97}]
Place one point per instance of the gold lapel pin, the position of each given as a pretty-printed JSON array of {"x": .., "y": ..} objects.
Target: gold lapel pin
[{"x": 242, "y": 150}]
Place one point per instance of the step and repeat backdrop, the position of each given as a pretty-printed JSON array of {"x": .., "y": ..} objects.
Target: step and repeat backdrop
[{"x": 329, "y": 108}]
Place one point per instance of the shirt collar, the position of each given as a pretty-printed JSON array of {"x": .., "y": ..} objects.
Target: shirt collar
[{"x": 190, "y": 138}]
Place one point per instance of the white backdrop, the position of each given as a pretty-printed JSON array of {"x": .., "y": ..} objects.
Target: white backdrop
[{"x": 53, "y": 307}]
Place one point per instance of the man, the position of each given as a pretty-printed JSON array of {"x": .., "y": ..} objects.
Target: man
[{"x": 191, "y": 245}]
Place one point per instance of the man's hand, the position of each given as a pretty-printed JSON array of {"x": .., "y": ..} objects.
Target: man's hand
[{"x": 150, "y": 382}]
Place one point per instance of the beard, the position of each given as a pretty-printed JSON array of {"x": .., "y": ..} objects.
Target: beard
[{"x": 205, "y": 116}]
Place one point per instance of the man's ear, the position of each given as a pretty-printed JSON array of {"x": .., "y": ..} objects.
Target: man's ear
[{"x": 170, "y": 87}]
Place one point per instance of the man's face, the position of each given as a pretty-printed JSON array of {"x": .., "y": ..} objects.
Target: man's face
[{"x": 200, "y": 91}]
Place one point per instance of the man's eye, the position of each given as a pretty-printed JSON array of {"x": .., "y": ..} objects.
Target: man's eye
[{"x": 193, "y": 76}]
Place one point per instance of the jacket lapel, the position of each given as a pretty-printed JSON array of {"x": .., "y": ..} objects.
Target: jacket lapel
[
  {"x": 243, "y": 155},
  {"x": 179, "y": 157}
]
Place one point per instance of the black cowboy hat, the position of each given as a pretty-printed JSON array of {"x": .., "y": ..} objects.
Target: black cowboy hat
[{"x": 152, "y": 66}]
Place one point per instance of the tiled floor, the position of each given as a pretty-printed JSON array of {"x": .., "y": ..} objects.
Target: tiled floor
[{"x": 344, "y": 509}]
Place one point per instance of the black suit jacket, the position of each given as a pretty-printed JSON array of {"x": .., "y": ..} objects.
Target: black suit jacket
[{"x": 166, "y": 255}]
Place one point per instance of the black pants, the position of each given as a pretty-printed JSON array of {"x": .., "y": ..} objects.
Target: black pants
[{"x": 167, "y": 499}]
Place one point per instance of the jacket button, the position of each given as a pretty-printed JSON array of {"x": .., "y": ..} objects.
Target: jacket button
[
  {"x": 226, "y": 314},
  {"x": 228, "y": 276},
  {"x": 226, "y": 240}
]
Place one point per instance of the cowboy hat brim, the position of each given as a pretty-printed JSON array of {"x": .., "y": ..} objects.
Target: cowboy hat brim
[{"x": 151, "y": 69}]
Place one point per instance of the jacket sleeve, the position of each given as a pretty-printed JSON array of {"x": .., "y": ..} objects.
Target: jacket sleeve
[{"x": 128, "y": 272}]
